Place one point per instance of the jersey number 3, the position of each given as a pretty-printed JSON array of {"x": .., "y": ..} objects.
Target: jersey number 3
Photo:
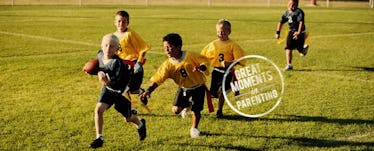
[{"x": 221, "y": 57}]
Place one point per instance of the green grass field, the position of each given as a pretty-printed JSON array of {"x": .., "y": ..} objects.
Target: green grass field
[{"x": 47, "y": 102}]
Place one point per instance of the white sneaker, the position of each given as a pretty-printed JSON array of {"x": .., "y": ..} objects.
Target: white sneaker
[
  {"x": 184, "y": 112},
  {"x": 195, "y": 133},
  {"x": 289, "y": 67},
  {"x": 134, "y": 111}
]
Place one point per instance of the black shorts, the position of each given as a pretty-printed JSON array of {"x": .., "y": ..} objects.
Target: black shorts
[
  {"x": 217, "y": 79},
  {"x": 195, "y": 97},
  {"x": 295, "y": 44},
  {"x": 121, "y": 104}
]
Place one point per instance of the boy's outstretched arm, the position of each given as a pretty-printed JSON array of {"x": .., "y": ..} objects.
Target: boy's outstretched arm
[
  {"x": 279, "y": 28},
  {"x": 147, "y": 93}
]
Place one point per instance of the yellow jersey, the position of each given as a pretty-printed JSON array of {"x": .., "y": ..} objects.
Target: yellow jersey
[
  {"x": 182, "y": 71},
  {"x": 218, "y": 51},
  {"x": 132, "y": 45}
]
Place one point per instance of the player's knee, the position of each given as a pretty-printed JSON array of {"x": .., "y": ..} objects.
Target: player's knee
[{"x": 99, "y": 110}]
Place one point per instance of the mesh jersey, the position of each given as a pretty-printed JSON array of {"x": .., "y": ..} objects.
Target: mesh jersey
[
  {"x": 293, "y": 19},
  {"x": 116, "y": 70},
  {"x": 218, "y": 51},
  {"x": 131, "y": 44},
  {"x": 182, "y": 71}
]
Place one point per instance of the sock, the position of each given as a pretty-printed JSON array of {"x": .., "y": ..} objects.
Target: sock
[
  {"x": 140, "y": 125},
  {"x": 100, "y": 135}
]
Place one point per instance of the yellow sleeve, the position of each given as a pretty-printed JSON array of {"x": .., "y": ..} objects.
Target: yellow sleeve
[
  {"x": 202, "y": 60},
  {"x": 132, "y": 46},
  {"x": 238, "y": 52},
  {"x": 162, "y": 74},
  {"x": 139, "y": 45},
  {"x": 210, "y": 52}
]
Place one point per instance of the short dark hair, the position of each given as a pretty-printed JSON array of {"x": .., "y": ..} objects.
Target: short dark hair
[
  {"x": 173, "y": 39},
  {"x": 123, "y": 14},
  {"x": 296, "y": 3}
]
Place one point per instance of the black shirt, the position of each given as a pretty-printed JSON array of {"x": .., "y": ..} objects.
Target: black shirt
[
  {"x": 293, "y": 19},
  {"x": 118, "y": 72}
]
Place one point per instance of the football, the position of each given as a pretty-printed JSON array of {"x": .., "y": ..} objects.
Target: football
[{"x": 91, "y": 67}]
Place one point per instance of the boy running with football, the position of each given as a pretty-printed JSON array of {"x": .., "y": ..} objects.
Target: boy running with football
[
  {"x": 221, "y": 53},
  {"x": 133, "y": 48},
  {"x": 115, "y": 76},
  {"x": 296, "y": 35},
  {"x": 188, "y": 70}
]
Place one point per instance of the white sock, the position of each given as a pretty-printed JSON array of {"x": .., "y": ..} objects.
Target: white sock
[
  {"x": 100, "y": 135},
  {"x": 140, "y": 125}
]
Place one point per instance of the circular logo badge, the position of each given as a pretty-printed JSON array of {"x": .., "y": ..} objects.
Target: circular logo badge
[{"x": 253, "y": 86}]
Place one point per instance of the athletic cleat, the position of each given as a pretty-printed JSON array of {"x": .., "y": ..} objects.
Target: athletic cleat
[
  {"x": 289, "y": 67},
  {"x": 98, "y": 142},
  {"x": 305, "y": 50},
  {"x": 219, "y": 114},
  {"x": 134, "y": 111},
  {"x": 142, "y": 131},
  {"x": 195, "y": 132},
  {"x": 184, "y": 112}
]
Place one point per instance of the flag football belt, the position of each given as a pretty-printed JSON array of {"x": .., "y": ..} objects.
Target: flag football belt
[
  {"x": 189, "y": 89},
  {"x": 132, "y": 62},
  {"x": 293, "y": 31},
  {"x": 219, "y": 70},
  {"x": 112, "y": 90},
  {"x": 208, "y": 96}
]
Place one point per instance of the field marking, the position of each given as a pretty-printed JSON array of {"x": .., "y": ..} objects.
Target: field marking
[
  {"x": 312, "y": 37},
  {"x": 162, "y": 53},
  {"x": 159, "y": 47},
  {"x": 357, "y": 137},
  {"x": 59, "y": 40},
  {"x": 342, "y": 35},
  {"x": 342, "y": 77},
  {"x": 48, "y": 38}
]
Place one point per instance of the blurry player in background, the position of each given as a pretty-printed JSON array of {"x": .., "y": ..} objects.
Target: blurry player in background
[{"x": 296, "y": 35}]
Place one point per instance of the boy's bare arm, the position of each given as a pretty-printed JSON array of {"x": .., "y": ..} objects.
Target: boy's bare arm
[
  {"x": 103, "y": 78},
  {"x": 296, "y": 34},
  {"x": 279, "y": 28},
  {"x": 148, "y": 92}
]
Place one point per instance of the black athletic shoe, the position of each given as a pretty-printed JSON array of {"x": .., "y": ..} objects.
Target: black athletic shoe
[
  {"x": 142, "y": 131},
  {"x": 144, "y": 100},
  {"x": 219, "y": 114},
  {"x": 305, "y": 50},
  {"x": 98, "y": 142}
]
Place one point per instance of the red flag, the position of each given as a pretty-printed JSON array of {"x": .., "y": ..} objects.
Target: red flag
[
  {"x": 209, "y": 100},
  {"x": 132, "y": 63}
]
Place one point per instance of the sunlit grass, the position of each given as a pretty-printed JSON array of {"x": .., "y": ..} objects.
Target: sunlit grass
[{"x": 47, "y": 102}]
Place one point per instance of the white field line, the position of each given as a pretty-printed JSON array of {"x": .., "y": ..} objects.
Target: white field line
[
  {"x": 313, "y": 37},
  {"x": 48, "y": 38},
  {"x": 358, "y": 137},
  {"x": 161, "y": 53},
  {"x": 342, "y": 77},
  {"x": 58, "y": 40}
]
